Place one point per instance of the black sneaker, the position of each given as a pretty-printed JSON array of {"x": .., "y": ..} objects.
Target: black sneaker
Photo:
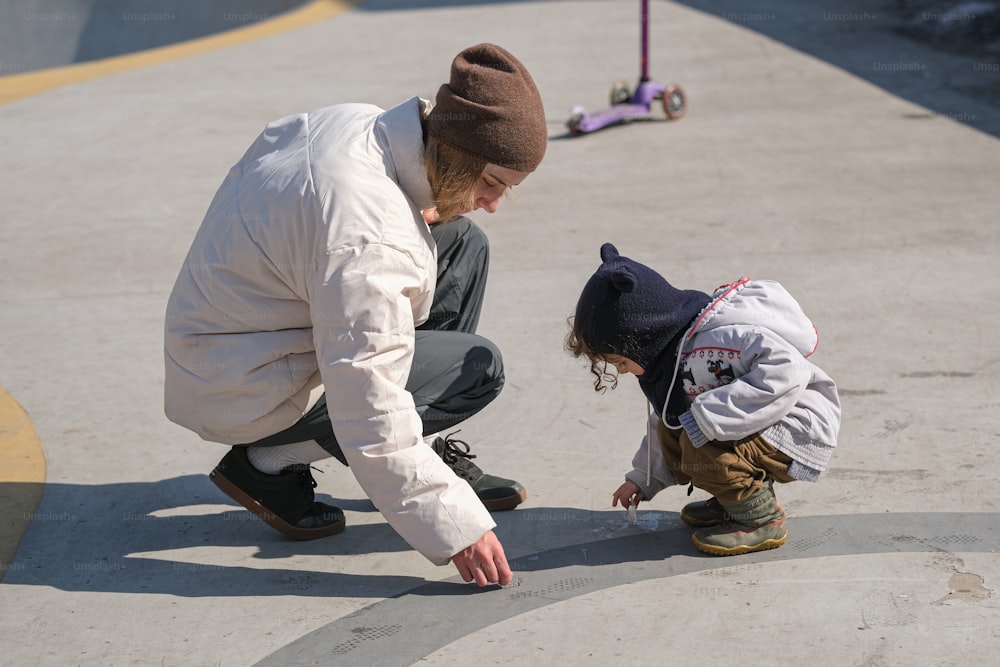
[
  {"x": 496, "y": 493},
  {"x": 285, "y": 501}
]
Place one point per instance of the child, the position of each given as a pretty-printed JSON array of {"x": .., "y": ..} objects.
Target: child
[{"x": 735, "y": 404}]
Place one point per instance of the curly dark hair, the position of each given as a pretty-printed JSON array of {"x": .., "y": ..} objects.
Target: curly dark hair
[{"x": 578, "y": 347}]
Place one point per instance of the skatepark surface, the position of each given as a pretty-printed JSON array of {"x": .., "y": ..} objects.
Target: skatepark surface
[{"x": 853, "y": 164}]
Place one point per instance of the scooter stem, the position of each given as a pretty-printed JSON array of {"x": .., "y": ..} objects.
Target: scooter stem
[{"x": 644, "y": 42}]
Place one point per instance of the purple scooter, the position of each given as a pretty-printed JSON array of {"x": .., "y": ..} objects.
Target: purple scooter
[{"x": 626, "y": 105}]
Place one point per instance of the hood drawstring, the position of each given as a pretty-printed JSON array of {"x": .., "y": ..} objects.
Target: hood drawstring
[
  {"x": 730, "y": 288},
  {"x": 649, "y": 443},
  {"x": 673, "y": 378},
  {"x": 716, "y": 300}
]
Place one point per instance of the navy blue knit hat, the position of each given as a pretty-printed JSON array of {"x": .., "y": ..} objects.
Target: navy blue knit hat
[{"x": 629, "y": 309}]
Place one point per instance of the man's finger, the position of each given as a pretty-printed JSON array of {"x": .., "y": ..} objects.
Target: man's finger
[
  {"x": 490, "y": 576},
  {"x": 463, "y": 568},
  {"x": 504, "y": 575},
  {"x": 501, "y": 569},
  {"x": 482, "y": 579}
]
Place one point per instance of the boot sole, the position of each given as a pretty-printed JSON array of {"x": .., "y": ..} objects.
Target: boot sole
[
  {"x": 269, "y": 517},
  {"x": 715, "y": 550},
  {"x": 508, "y": 503}
]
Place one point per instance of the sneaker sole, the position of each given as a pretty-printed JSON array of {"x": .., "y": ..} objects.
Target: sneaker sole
[
  {"x": 269, "y": 517},
  {"x": 715, "y": 550},
  {"x": 508, "y": 503}
]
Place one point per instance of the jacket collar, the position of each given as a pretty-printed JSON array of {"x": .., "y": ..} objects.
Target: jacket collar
[{"x": 399, "y": 132}]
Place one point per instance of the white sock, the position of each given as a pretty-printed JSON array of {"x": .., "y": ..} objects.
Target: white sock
[{"x": 272, "y": 460}]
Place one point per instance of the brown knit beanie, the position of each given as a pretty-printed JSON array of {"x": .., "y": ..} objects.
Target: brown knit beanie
[{"x": 491, "y": 109}]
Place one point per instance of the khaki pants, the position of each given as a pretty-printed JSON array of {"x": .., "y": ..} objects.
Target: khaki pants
[{"x": 731, "y": 471}]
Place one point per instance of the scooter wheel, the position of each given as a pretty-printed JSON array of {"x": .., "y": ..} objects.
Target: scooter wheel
[
  {"x": 574, "y": 124},
  {"x": 620, "y": 93},
  {"x": 674, "y": 102}
]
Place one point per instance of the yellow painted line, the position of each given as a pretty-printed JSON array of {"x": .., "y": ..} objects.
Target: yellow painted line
[
  {"x": 22, "y": 477},
  {"x": 19, "y": 86}
]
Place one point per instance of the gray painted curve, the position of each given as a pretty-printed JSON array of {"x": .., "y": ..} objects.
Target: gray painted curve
[{"x": 403, "y": 629}]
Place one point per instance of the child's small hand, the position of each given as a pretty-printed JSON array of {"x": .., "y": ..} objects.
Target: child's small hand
[{"x": 628, "y": 494}]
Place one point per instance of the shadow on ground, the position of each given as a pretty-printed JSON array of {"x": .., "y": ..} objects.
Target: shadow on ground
[
  {"x": 125, "y": 538},
  {"x": 932, "y": 53},
  {"x": 38, "y": 34},
  {"x": 109, "y": 538}
]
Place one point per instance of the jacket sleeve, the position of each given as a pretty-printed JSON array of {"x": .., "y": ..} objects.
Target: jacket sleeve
[
  {"x": 777, "y": 378},
  {"x": 363, "y": 327}
]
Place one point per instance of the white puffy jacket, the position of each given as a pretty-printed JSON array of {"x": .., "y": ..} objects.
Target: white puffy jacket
[{"x": 309, "y": 273}]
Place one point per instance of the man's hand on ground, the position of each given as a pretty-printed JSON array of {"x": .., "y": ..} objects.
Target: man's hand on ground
[{"x": 484, "y": 562}]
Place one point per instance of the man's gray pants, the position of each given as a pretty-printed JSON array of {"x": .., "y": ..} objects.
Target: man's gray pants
[{"x": 455, "y": 373}]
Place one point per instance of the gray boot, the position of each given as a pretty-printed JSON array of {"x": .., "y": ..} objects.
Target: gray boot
[{"x": 754, "y": 524}]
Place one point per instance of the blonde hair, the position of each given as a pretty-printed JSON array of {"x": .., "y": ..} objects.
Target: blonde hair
[{"x": 452, "y": 174}]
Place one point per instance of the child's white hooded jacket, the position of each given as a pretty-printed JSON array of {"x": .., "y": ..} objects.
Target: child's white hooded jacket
[{"x": 745, "y": 370}]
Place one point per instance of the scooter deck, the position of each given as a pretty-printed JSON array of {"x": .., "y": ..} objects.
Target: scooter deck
[{"x": 592, "y": 121}]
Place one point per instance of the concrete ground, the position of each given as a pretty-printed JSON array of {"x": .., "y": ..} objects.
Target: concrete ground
[{"x": 796, "y": 161}]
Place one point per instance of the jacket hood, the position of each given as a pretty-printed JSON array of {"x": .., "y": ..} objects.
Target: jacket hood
[
  {"x": 629, "y": 309},
  {"x": 761, "y": 303}
]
